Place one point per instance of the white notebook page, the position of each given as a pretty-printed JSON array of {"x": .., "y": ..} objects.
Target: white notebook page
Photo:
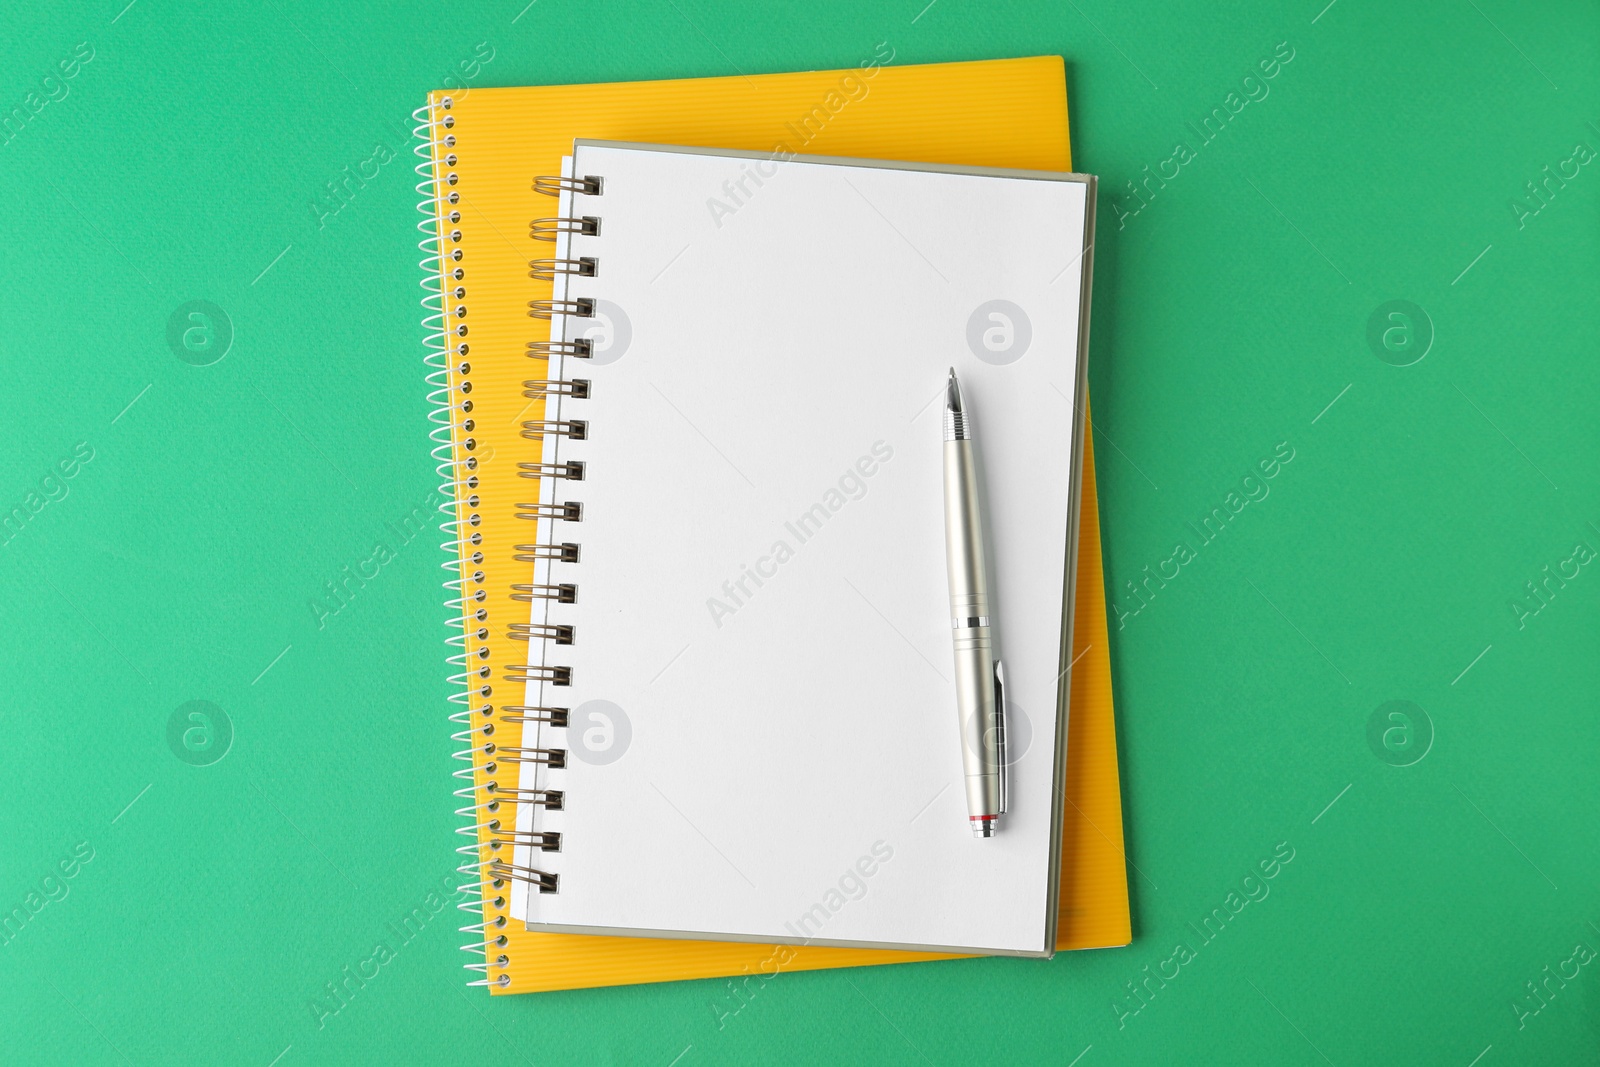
[{"x": 764, "y": 742}]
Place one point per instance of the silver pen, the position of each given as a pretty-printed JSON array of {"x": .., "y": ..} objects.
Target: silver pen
[{"x": 980, "y": 680}]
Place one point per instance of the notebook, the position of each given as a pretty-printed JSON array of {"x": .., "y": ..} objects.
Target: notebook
[
  {"x": 1009, "y": 112},
  {"x": 746, "y": 683}
]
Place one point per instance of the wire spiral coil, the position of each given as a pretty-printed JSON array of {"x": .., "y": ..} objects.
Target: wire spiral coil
[
  {"x": 551, "y": 229},
  {"x": 562, "y": 593},
  {"x": 565, "y": 552},
  {"x": 537, "y": 429},
  {"x": 539, "y": 388},
  {"x": 571, "y": 470},
  {"x": 490, "y": 859},
  {"x": 549, "y": 309},
  {"x": 545, "y": 270},
  {"x": 555, "y": 186}
]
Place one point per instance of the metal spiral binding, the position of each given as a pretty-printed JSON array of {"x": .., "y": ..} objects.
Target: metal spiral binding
[
  {"x": 549, "y": 799},
  {"x": 568, "y": 511},
  {"x": 490, "y": 808},
  {"x": 543, "y": 840},
  {"x": 444, "y": 298},
  {"x": 542, "y": 880},
  {"x": 526, "y": 713},
  {"x": 536, "y": 429},
  {"x": 583, "y": 348},
  {"x": 550, "y": 757},
  {"x": 555, "y": 186},
  {"x": 550, "y": 229},
  {"x": 538, "y": 388},
  {"x": 538, "y": 672},
  {"x": 549, "y": 309},
  {"x": 546, "y": 269},
  {"x": 560, "y": 633},
  {"x": 565, "y": 552},
  {"x": 491, "y": 863},
  {"x": 561, "y": 593},
  {"x": 571, "y": 470}
]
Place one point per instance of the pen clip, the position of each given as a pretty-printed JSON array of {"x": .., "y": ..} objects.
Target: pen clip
[{"x": 1000, "y": 735}]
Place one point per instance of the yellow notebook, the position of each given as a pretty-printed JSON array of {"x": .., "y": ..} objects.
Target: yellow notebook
[{"x": 482, "y": 150}]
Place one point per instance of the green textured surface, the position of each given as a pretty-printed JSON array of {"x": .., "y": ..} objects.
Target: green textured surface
[{"x": 1231, "y": 310}]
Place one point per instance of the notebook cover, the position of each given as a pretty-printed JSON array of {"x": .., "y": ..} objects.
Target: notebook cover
[{"x": 1009, "y": 113}]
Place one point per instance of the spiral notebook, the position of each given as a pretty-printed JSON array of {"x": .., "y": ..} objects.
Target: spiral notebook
[
  {"x": 481, "y": 150},
  {"x": 739, "y": 668}
]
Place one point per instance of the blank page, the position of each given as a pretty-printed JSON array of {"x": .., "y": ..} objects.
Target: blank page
[{"x": 763, "y": 741}]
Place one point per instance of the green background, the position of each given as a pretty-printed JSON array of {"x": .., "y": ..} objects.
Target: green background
[{"x": 1231, "y": 311}]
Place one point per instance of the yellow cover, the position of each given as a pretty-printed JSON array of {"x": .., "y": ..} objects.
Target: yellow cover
[{"x": 1008, "y": 113}]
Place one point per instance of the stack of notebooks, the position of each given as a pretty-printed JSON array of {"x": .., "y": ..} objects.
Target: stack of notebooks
[{"x": 689, "y": 343}]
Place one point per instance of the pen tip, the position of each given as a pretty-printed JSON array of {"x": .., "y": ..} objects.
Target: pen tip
[{"x": 952, "y": 394}]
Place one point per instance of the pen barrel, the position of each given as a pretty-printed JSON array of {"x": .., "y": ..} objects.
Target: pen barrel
[
  {"x": 963, "y": 534},
  {"x": 978, "y": 720},
  {"x": 972, "y": 643}
]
